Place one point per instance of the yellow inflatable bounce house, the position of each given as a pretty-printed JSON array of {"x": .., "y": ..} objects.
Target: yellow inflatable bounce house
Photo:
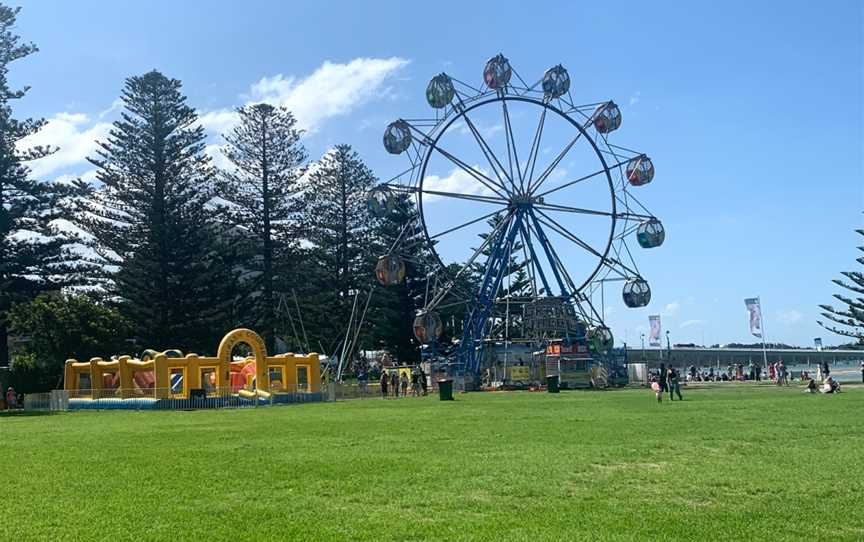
[{"x": 170, "y": 380}]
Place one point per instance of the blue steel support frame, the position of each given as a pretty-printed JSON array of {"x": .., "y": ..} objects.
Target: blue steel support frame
[
  {"x": 472, "y": 329},
  {"x": 537, "y": 267},
  {"x": 548, "y": 250}
]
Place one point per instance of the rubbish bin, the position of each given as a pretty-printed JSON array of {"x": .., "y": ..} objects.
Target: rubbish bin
[
  {"x": 552, "y": 383},
  {"x": 445, "y": 389}
]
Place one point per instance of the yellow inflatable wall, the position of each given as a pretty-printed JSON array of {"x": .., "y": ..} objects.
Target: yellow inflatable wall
[{"x": 298, "y": 372}]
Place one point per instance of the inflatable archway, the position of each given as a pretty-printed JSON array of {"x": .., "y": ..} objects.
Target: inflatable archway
[{"x": 259, "y": 350}]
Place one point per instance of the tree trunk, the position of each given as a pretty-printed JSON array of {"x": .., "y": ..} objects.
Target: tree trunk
[{"x": 267, "y": 316}]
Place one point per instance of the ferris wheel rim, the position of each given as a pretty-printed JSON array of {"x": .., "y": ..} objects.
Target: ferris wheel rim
[{"x": 442, "y": 128}]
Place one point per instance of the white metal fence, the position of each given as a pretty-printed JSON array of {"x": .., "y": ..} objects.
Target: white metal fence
[
  {"x": 212, "y": 398},
  {"x": 167, "y": 399}
]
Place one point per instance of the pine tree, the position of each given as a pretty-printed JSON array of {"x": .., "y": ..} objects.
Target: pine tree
[
  {"x": 337, "y": 223},
  {"x": 260, "y": 194},
  {"x": 150, "y": 221},
  {"x": 851, "y": 318},
  {"x": 32, "y": 249}
]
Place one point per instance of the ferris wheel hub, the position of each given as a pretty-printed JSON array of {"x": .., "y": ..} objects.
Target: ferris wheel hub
[{"x": 525, "y": 200}]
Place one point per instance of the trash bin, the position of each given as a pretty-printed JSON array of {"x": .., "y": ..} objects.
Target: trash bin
[
  {"x": 552, "y": 383},
  {"x": 445, "y": 389}
]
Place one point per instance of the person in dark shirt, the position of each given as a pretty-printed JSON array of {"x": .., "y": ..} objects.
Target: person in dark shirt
[
  {"x": 423, "y": 383},
  {"x": 662, "y": 380},
  {"x": 673, "y": 384},
  {"x": 394, "y": 382},
  {"x": 415, "y": 383},
  {"x": 384, "y": 382}
]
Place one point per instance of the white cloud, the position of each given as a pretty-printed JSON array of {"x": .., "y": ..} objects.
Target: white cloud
[
  {"x": 789, "y": 317},
  {"x": 671, "y": 309},
  {"x": 689, "y": 323},
  {"x": 219, "y": 160},
  {"x": 331, "y": 90},
  {"x": 459, "y": 181},
  {"x": 116, "y": 105},
  {"x": 218, "y": 122},
  {"x": 634, "y": 98},
  {"x": 75, "y": 140}
]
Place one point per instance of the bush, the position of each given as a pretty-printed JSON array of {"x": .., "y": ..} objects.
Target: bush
[{"x": 53, "y": 328}]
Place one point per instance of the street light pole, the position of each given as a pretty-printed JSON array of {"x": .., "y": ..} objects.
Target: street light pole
[
  {"x": 668, "y": 348},
  {"x": 643, "y": 347}
]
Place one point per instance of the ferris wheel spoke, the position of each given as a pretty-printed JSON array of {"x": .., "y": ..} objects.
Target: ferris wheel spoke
[
  {"x": 466, "y": 224},
  {"x": 561, "y": 230},
  {"x": 578, "y": 210},
  {"x": 563, "y": 269},
  {"x": 478, "y": 176},
  {"x": 535, "y": 263},
  {"x": 511, "y": 147},
  {"x": 548, "y": 171},
  {"x": 549, "y": 251},
  {"x": 467, "y": 265},
  {"x": 470, "y": 197},
  {"x": 494, "y": 163},
  {"x": 535, "y": 148},
  {"x": 579, "y": 180},
  {"x": 529, "y": 263}
]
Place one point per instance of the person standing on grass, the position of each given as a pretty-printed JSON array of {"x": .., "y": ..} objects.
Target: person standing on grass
[
  {"x": 662, "y": 378},
  {"x": 404, "y": 382},
  {"x": 672, "y": 382},
  {"x": 415, "y": 382},
  {"x": 423, "y": 383},
  {"x": 384, "y": 384},
  {"x": 11, "y": 398},
  {"x": 394, "y": 382},
  {"x": 363, "y": 381}
]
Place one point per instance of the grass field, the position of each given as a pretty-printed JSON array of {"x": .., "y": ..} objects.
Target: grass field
[{"x": 737, "y": 463}]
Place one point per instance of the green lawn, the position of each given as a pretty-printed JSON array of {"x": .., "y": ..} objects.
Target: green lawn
[{"x": 730, "y": 463}]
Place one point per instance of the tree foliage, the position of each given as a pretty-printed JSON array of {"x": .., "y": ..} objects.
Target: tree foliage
[
  {"x": 848, "y": 320},
  {"x": 56, "y": 327},
  {"x": 260, "y": 195},
  {"x": 33, "y": 257},
  {"x": 337, "y": 224},
  {"x": 150, "y": 220}
]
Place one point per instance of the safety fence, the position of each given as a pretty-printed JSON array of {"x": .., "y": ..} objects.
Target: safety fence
[
  {"x": 169, "y": 399},
  {"x": 212, "y": 398}
]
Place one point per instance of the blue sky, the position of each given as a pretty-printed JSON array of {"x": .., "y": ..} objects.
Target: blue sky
[{"x": 751, "y": 113}]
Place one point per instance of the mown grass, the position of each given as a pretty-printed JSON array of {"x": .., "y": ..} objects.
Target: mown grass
[{"x": 732, "y": 463}]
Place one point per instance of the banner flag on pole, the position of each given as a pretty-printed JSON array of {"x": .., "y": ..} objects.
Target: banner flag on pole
[
  {"x": 755, "y": 312},
  {"x": 817, "y": 342},
  {"x": 654, "y": 326}
]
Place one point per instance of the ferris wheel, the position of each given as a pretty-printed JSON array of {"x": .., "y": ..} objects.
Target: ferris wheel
[{"x": 509, "y": 175}]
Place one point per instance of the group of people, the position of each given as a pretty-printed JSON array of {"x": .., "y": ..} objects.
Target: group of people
[
  {"x": 397, "y": 381},
  {"x": 777, "y": 372},
  {"x": 829, "y": 385},
  {"x": 666, "y": 381}
]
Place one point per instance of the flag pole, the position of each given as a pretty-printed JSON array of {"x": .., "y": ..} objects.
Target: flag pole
[{"x": 762, "y": 321}]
